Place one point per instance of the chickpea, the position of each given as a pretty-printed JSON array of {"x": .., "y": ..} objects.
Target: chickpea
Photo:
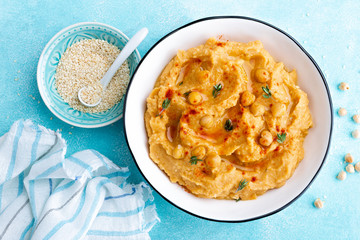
[
  {"x": 341, "y": 176},
  {"x": 213, "y": 160},
  {"x": 356, "y": 118},
  {"x": 350, "y": 168},
  {"x": 266, "y": 138},
  {"x": 318, "y": 203},
  {"x": 207, "y": 121},
  {"x": 262, "y": 75},
  {"x": 356, "y": 133},
  {"x": 344, "y": 86},
  {"x": 247, "y": 98},
  {"x": 342, "y": 112},
  {"x": 257, "y": 109},
  {"x": 199, "y": 152},
  {"x": 194, "y": 98},
  {"x": 349, "y": 158},
  {"x": 178, "y": 152},
  {"x": 278, "y": 109},
  {"x": 357, "y": 166}
]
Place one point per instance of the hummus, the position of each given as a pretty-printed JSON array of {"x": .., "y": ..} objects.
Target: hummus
[{"x": 226, "y": 121}]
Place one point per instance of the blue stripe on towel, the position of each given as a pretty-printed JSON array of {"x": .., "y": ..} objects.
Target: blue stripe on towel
[
  {"x": 80, "y": 163},
  {"x": 20, "y": 184},
  {"x": 26, "y": 230},
  {"x": 64, "y": 187},
  {"x": 62, "y": 223},
  {"x": 50, "y": 170},
  {"x": 98, "y": 155},
  {"x": 14, "y": 150},
  {"x": 126, "y": 213},
  {"x": 35, "y": 143},
  {"x": 50, "y": 186},
  {"x": 117, "y": 174},
  {"x": 121, "y": 196},
  {"x": 92, "y": 208}
]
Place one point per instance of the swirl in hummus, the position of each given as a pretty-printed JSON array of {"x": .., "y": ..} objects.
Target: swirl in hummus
[{"x": 226, "y": 121}]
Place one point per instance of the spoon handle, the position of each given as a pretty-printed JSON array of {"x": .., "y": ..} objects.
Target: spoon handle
[{"x": 124, "y": 54}]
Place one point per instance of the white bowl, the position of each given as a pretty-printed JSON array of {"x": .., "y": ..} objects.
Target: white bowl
[{"x": 283, "y": 48}]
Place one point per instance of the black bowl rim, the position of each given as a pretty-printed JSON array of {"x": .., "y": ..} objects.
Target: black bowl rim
[{"x": 307, "y": 54}]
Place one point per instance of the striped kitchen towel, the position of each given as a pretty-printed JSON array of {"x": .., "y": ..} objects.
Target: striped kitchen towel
[{"x": 44, "y": 195}]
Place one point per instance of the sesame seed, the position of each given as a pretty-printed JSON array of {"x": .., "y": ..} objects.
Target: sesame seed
[{"x": 83, "y": 65}]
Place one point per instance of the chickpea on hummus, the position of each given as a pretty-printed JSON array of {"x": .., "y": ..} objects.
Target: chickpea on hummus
[{"x": 226, "y": 121}]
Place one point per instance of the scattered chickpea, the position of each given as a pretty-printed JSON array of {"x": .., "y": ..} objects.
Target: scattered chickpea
[
  {"x": 257, "y": 109},
  {"x": 350, "y": 168},
  {"x": 278, "y": 109},
  {"x": 266, "y": 138},
  {"x": 247, "y": 98},
  {"x": 178, "y": 152},
  {"x": 349, "y": 158},
  {"x": 199, "y": 152},
  {"x": 262, "y": 75},
  {"x": 194, "y": 98},
  {"x": 356, "y": 118},
  {"x": 344, "y": 86},
  {"x": 207, "y": 121},
  {"x": 342, "y": 112},
  {"x": 356, "y": 133},
  {"x": 318, "y": 203},
  {"x": 213, "y": 160},
  {"x": 357, "y": 166},
  {"x": 341, "y": 176}
]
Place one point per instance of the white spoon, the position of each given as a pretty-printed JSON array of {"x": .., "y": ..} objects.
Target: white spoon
[{"x": 124, "y": 54}]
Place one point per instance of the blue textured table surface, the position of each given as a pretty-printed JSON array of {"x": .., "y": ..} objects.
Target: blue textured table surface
[{"x": 328, "y": 30}]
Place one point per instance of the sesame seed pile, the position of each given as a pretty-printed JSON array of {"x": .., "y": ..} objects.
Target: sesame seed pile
[{"x": 83, "y": 65}]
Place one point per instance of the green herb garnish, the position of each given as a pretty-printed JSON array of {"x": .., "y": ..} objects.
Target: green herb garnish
[
  {"x": 187, "y": 93},
  {"x": 181, "y": 83},
  {"x": 281, "y": 137},
  {"x": 242, "y": 184},
  {"x": 239, "y": 199},
  {"x": 164, "y": 105},
  {"x": 216, "y": 90},
  {"x": 194, "y": 160},
  {"x": 228, "y": 125},
  {"x": 266, "y": 91}
]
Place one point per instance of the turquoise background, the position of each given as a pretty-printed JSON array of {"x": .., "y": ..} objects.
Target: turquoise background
[{"x": 328, "y": 30}]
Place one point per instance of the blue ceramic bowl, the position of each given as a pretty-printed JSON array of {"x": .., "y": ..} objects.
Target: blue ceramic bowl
[{"x": 50, "y": 58}]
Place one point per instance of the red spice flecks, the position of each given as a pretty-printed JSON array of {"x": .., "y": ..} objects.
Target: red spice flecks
[
  {"x": 277, "y": 149},
  {"x": 277, "y": 128},
  {"x": 201, "y": 128},
  {"x": 176, "y": 64},
  {"x": 243, "y": 173},
  {"x": 226, "y": 138},
  {"x": 220, "y": 44},
  {"x": 179, "y": 94},
  {"x": 186, "y": 153},
  {"x": 282, "y": 130},
  {"x": 193, "y": 112},
  {"x": 253, "y": 179},
  {"x": 270, "y": 104},
  {"x": 169, "y": 93},
  {"x": 262, "y": 152},
  {"x": 252, "y": 126}
]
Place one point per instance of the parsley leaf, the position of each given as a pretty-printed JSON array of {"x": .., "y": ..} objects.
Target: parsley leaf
[
  {"x": 228, "y": 125},
  {"x": 266, "y": 91},
  {"x": 164, "y": 105},
  {"x": 216, "y": 90},
  {"x": 194, "y": 160},
  {"x": 242, "y": 184},
  {"x": 281, "y": 137},
  {"x": 187, "y": 93}
]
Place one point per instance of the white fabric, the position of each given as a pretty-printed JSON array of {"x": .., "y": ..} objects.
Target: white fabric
[{"x": 44, "y": 195}]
